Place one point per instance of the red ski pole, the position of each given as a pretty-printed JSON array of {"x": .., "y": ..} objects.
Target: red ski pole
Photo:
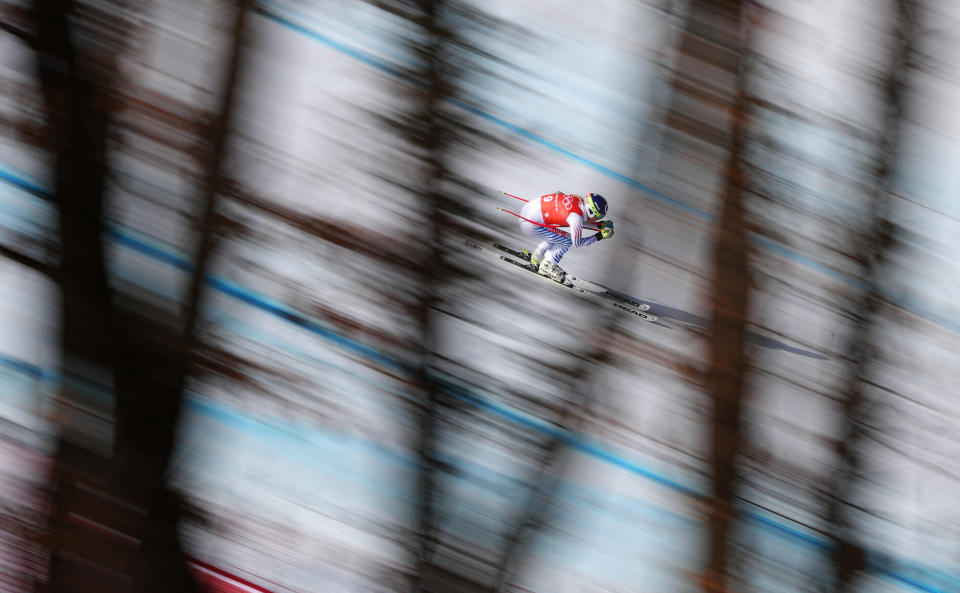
[
  {"x": 546, "y": 226},
  {"x": 513, "y": 196}
]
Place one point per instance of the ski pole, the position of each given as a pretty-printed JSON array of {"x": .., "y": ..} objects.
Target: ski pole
[
  {"x": 546, "y": 226},
  {"x": 513, "y": 196},
  {"x": 525, "y": 200}
]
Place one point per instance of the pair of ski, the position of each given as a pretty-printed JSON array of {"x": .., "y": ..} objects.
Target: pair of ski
[{"x": 591, "y": 290}]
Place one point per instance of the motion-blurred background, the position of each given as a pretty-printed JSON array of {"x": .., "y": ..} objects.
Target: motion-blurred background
[{"x": 245, "y": 347}]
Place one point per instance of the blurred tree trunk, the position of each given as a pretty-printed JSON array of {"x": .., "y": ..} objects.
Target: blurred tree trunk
[
  {"x": 710, "y": 79},
  {"x": 551, "y": 465},
  {"x": 431, "y": 123},
  {"x": 114, "y": 519},
  {"x": 427, "y": 132},
  {"x": 848, "y": 556},
  {"x": 729, "y": 361},
  {"x": 75, "y": 82}
]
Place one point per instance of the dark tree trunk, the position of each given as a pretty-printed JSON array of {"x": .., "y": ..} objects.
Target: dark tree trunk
[
  {"x": 114, "y": 519},
  {"x": 75, "y": 82},
  {"x": 710, "y": 105},
  {"x": 728, "y": 354},
  {"x": 848, "y": 556},
  {"x": 429, "y": 135}
]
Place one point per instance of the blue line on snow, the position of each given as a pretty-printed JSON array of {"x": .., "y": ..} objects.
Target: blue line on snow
[
  {"x": 121, "y": 238},
  {"x": 23, "y": 183},
  {"x": 127, "y": 240},
  {"x": 635, "y": 183},
  {"x": 256, "y": 300},
  {"x": 340, "y": 47},
  {"x": 497, "y": 483},
  {"x": 789, "y": 531},
  {"x": 895, "y": 576},
  {"x": 570, "y": 439},
  {"x": 26, "y": 368}
]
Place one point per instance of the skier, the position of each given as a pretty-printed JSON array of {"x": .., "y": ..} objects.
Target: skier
[{"x": 543, "y": 217}]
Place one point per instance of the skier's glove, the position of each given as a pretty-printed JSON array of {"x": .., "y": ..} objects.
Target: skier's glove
[{"x": 606, "y": 229}]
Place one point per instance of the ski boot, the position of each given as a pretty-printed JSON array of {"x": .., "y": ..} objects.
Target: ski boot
[
  {"x": 552, "y": 271},
  {"x": 533, "y": 258}
]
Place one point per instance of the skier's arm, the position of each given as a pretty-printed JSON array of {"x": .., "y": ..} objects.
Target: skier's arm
[{"x": 575, "y": 222}]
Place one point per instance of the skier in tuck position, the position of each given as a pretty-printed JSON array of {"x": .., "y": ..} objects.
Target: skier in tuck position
[{"x": 545, "y": 215}]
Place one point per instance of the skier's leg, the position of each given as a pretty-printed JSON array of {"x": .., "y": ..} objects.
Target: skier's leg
[
  {"x": 558, "y": 247},
  {"x": 537, "y": 256},
  {"x": 538, "y": 231},
  {"x": 557, "y": 251}
]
